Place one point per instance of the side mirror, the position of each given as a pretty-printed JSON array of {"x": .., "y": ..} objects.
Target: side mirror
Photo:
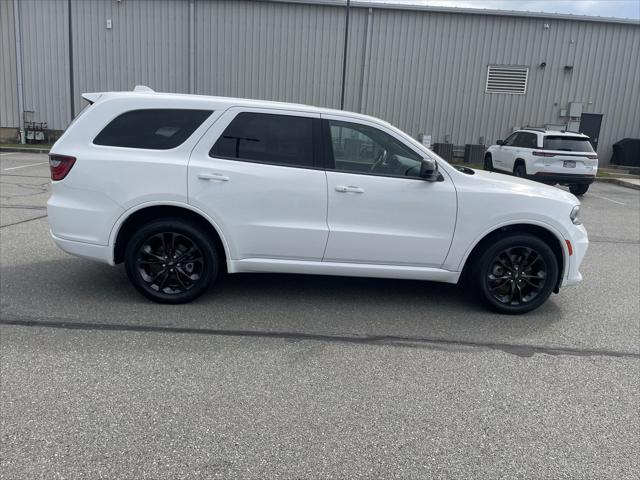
[
  {"x": 429, "y": 170},
  {"x": 500, "y": 142}
]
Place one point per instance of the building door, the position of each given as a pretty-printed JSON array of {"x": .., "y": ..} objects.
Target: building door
[{"x": 590, "y": 125}]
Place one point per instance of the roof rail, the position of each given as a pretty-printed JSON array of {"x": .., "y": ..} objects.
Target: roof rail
[
  {"x": 537, "y": 129},
  {"x": 143, "y": 88}
]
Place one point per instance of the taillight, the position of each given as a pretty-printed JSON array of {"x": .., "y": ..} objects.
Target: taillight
[
  {"x": 592, "y": 157},
  {"x": 538, "y": 153},
  {"x": 60, "y": 165}
]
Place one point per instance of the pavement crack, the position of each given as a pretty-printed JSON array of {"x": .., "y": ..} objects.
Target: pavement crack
[
  {"x": 22, "y": 221},
  {"x": 520, "y": 350}
]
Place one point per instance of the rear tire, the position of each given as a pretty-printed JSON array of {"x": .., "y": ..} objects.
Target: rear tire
[
  {"x": 171, "y": 261},
  {"x": 516, "y": 274},
  {"x": 578, "y": 189},
  {"x": 520, "y": 170},
  {"x": 488, "y": 163}
]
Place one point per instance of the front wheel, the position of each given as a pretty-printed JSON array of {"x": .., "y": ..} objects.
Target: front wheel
[
  {"x": 488, "y": 163},
  {"x": 516, "y": 274},
  {"x": 171, "y": 261},
  {"x": 578, "y": 189}
]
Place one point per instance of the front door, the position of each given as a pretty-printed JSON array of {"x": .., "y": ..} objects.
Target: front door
[
  {"x": 256, "y": 174},
  {"x": 590, "y": 125},
  {"x": 380, "y": 211}
]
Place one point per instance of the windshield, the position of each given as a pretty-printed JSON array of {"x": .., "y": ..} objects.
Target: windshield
[{"x": 567, "y": 144}]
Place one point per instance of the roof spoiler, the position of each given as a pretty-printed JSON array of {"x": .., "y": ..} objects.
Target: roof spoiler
[{"x": 93, "y": 97}]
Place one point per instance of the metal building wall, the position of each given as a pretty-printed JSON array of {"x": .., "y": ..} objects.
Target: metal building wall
[
  {"x": 45, "y": 40},
  {"x": 8, "y": 76},
  {"x": 427, "y": 74},
  {"x": 422, "y": 70},
  {"x": 147, "y": 44}
]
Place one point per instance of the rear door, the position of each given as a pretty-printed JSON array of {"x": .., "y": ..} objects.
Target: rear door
[{"x": 257, "y": 175}]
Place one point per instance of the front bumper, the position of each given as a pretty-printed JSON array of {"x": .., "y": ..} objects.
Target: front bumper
[
  {"x": 554, "y": 178},
  {"x": 579, "y": 243}
]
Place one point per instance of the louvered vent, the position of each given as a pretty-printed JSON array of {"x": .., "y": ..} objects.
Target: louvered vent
[{"x": 502, "y": 79}]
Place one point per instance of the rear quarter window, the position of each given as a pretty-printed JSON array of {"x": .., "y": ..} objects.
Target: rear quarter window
[
  {"x": 567, "y": 144},
  {"x": 154, "y": 129}
]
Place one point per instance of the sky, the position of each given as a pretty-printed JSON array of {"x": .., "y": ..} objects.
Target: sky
[{"x": 599, "y": 8}]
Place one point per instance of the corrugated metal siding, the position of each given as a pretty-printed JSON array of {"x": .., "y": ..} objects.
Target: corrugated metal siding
[
  {"x": 45, "y": 41},
  {"x": 424, "y": 71},
  {"x": 269, "y": 51},
  {"x": 8, "y": 76},
  {"x": 148, "y": 44}
]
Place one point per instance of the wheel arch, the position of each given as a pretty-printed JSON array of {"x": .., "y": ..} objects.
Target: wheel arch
[
  {"x": 519, "y": 161},
  {"x": 141, "y": 214},
  {"x": 546, "y": 233}
]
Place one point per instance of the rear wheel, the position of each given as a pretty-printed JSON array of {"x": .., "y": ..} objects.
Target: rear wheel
[
  {"x": 488, "y": 163},
  {"x": 520, "y": 170},
  {"x": 578, "y": 189},
  {"x": 516, "y": 274},
  {"x": 171, "y": 261}
]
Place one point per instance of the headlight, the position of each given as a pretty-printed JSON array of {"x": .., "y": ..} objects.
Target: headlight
[{"x": 575, "y": 215}]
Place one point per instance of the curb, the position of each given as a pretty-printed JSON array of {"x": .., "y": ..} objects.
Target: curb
[
  {"x": 24, "y": 150},
  {"x": 618, "y": 181}
]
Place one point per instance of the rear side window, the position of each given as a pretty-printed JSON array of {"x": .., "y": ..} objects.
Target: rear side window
[
  {"x": 155, "y": 129},
  {"x": 526, "y": 140},
  {"x": 568, "y": 144},
  {"x": 267, "y": 138}
]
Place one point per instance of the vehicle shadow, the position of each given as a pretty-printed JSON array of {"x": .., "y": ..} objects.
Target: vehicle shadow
[{"x": 91, "y": 293}]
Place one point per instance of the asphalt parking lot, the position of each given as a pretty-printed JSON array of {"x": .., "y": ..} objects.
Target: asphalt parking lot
[{"x": 274, "y": 376}]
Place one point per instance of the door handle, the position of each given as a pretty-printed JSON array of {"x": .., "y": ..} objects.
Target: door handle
[
  {"x": 213, "y": 176},
  {"x": 350, "y": 188}
]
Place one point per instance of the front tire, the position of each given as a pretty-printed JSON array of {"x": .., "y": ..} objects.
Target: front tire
[
  {"x": 488, "y": 163},
  {"x": 578, "y": 189},
  {"x": 516, "y": 274},
  {"x": 171, "y": 261}
]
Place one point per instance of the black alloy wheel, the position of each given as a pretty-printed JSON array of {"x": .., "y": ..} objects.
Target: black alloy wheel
[
  {"x": 171, "y": 261},
  {"x": 517, "y": 274}
]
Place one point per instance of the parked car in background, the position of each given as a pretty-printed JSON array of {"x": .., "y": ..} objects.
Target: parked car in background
[
  {"x": 183, "y": 187},
  {"x": 548, "y": 156}
]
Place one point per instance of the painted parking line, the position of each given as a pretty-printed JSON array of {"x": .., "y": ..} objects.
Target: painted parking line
[
  {"x": 8, "y": 153},
  {"x": 605, "y": 198},
  {"x": 25, "y": 166}
]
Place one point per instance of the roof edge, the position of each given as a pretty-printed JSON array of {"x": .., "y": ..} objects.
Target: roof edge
[{"x": 460, "y": 10}]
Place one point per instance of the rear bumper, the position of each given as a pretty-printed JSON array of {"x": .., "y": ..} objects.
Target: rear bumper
[
  {"x": 553, "y": 178},
  {"x": 99, "y": 253}
]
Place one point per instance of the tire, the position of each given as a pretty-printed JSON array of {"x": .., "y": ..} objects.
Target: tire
[
  {"x": 171, "y": 261},
  {"x": 520, "y": 170},
  {"x": 488, "y": 163},
  {"x": 516, "y": 274},
  {"x": 578, "y": 189}
]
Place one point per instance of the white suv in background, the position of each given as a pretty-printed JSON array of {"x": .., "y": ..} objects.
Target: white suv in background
[
  {"x": 546, "y": 156},
  {"x": 181, "y": 188}
]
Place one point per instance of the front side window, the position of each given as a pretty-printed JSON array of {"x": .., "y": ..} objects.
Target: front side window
[
  {"x": 359, "y": 148},
  {"x": 155, "y": 128},
  {"x": 511, "y": 140},
  {"x": 267, "y": 138},
  {"x": 526, "y": 140},
  {"x": 568, "y": 144}
]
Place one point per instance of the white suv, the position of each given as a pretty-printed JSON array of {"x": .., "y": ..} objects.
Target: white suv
[
  {"x": 181, "y": 188},
  {"x": 547, "y": 156}
]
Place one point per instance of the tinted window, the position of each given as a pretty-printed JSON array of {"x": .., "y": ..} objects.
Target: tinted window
[
  {"x": 526, "y": 140},
  {"x": 569, "y": 144},
  {"x": 156, "y": 129},
  {"x": 511, "y": 140},
  {"x": 263, "y": 137},
  {"x": 363, "y": 149}
]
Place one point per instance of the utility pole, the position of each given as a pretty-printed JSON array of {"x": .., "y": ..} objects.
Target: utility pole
[{"x": 344, "y": 56}]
